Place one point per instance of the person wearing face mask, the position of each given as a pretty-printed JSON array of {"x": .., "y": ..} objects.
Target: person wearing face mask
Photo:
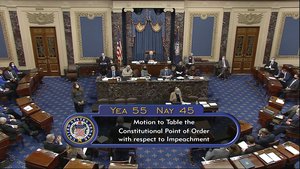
[
  {"x": 166, "y": 72},
  {"x": 104, "y": 63},
  {"x": 78, "y": 97},
  {"x": 284, "y": 77},
  {"x": 272, "y": 66},
  {"x": 7, "y": 83},
  {"x": 180, "y": 70},
  {"x": 224, "y": 68},
  {"x": 127, "y": 71},
  {"x": 16, "y": 70},
  {"x": 144, "y": 72},
  {"x": 176, "y": 96}
]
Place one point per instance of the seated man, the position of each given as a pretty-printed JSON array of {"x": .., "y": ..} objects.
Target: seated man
[
  {"x": 10, "y": 94},
  {"x": 264, "y": 137},
  {"x": 149, "y": 57},
  {"x": 53, "y": 144},
  {"x": 166, "y": 73},
  {"x": 175, "y": 96},
  {"x": 272, "y": 66},
  {"x": 223, "y": 152},
  {"x": 144, "y": 72},
  {"x": 190, "y": 60},
  {"x": 8, "y": 129},
  {"x": 180, "y": 70},
  {"x": 224, "y": 68},
  {"x": 292, "y": 124},
  {"x": 113, "y": 72},
  {"x": 251, "y": 145},
  {"x": 21, "y": 126},
  {"x": 7, "y": 83},
  {"x": 293, "y": 86},
  {"x": 284, "y": 77},
  {"x": 127, "y": 71},
  {"x": 193, "y": 71},
  {"x": 9, "y": 74}
]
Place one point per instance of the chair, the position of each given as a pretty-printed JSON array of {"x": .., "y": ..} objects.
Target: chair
[
  {"x": 136, "y": 73},
  {"x": 72, "y": 72}
]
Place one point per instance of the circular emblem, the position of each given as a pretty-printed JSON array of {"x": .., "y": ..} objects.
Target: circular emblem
[{"x": 79, "y": 130}]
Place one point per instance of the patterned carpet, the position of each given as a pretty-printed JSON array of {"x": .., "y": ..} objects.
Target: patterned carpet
[{"x": 237, "y": 96}]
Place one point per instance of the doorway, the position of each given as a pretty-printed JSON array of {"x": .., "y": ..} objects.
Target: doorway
[
  {"x": 245, "y": 49},
  {"x": 44, "y": 44}
]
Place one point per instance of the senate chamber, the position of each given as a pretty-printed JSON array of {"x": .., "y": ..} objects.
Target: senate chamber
[{"x": 149, "y": 84}]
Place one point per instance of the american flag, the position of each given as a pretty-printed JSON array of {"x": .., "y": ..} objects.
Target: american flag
[{"x": 119, "y": 49}]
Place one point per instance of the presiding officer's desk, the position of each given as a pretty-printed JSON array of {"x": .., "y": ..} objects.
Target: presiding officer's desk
[{"x": 152, "y": 91}]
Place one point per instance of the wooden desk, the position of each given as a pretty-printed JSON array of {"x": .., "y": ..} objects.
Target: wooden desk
[
  {"x": 278, "y": 164},
  {"x": 235, "y": 161},
  {"x": 35, "y": 108},
  {"x": 154, "y": 92},
  {"x": 153, "y": 69},
  {"x": 246, "y": 129},
  {"x": 273, "y": 103},
  {"x": 219, "y": 163},
  {"x": 122, "y": 166},
  {"x": 273, "y": 86},
  {"x": 43, "y": 159},
  {"x": 23, "y": 101},
  {"x": 25, "y": 89},
  {"x": 291, "y": 158},
  {"x": 82, "y": 164},
  {"x": 87, "y": 69},
  {"x": 264, "y": 117},
  {"x": 43, "y": 120},
  {"x": 206, "y": 67},
  {"x": 4, "y": 145}
]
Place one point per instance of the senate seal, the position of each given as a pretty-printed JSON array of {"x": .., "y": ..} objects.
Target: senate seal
[{"x": 79, "y": 130}]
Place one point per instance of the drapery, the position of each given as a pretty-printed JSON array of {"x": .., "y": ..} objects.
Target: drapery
[{"x": 148, "y": 31}]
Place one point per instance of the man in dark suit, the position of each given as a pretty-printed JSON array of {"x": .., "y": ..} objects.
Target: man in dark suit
[
  {"x": 224, "y": 68},
  {"x": 291, "y": 124},
  {"x": 53, "y": 144},
  {"x": 252, "y": 146},
  {"x": 6, "y": 83},
  {"x": 294, "y": 84},
  {"x": 166, "y": 72},
  {"x": 10, "y": 75},
  {"x": 284, "y": 77},
  {"x": 8, "y": 129},
  {"x": 264, "y": 137},
  {"x": 180, "y": 70},
  {"x": 272, "y": 66},
  {"x": 113, "y": 72},
  {"x": 104, "y": 63}
]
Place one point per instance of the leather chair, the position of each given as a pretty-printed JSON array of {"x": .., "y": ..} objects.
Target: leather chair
[{"x": 72, "y": 72}]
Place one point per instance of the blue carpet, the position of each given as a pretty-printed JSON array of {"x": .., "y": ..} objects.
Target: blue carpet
[{"x": 237, "y": 96}]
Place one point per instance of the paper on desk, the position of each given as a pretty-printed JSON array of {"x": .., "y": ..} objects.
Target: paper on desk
[
  {"x": 266, "y": 158},
  {"x": 201, "y": 78},
  {"x": 280, "y": 101},
  {"x": 213, "y": 104},
  {"x": 243, "y": 145},
  {"x": 205, "y": 105},
  {"x": 279, "y": 116},
  {"x": 272, "y": 78},
  {"x": 274, "y": 157},
  {"x": 84, "y": 150},
  {"x": 160, "y": 79},
  {"x": 28, "y": 108},
  {"x": 186, "y": 103},
  {"x": 168, "y": 103},
  {"x": 292, "y": 150}
]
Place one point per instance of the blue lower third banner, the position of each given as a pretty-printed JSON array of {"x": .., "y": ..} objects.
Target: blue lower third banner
[{"x": 122, "y": 126}]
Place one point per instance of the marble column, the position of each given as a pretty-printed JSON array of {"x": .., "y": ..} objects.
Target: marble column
[
  {"x": 270, "y": 36},
  {"x": 68, "y": 36},
  {"x": 179, "y": 23},
  {"x": 116, "y": 28},
  {"x": 167, "y": 38},
  {"x": 224, "y": 37},
  {"x": 17, "y": 37},
  {"x": 129, "y": 37}
]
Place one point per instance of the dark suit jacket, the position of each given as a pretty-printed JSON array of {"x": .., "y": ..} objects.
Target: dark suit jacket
[
  {"x": 295, "y": 85},
  {"x": 11, "y": 132},
  {"x": 109, "y": 73},
  {"x": 287, "y": 78},
  {"x": 220, "y": 64},
  {"x": 7, "y": 76},
  {"x": 163, "y": 72},
  {"x": 54, "y": 147},
  {"x": 264, "y": 141},
  {"x": 274, "y": 65},
  {"x": 254, "y": 148},
  {"x": 102, "y": 61}
]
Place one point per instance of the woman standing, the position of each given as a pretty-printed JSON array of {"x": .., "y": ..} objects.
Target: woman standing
[{"x": 78, "y": 97}]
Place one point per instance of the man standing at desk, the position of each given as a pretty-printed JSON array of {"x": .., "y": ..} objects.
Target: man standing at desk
[
  {"x": 104, "y": 63},
  {"x": 272, "y": 66}
]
